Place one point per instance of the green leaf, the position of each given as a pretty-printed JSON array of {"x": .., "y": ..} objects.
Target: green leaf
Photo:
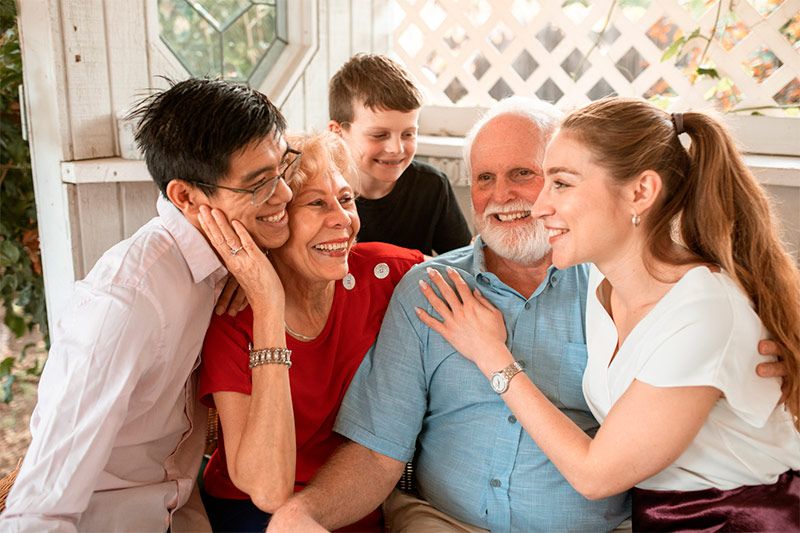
[
  {"x": 9, "y": 253},
  {"x": 6, "y": 365},
  {"x": 711, "y": 72},
  {"x": 694, "y": 35},
  {"x": 15, "y": 323},
  {"x": 673, "y": 49}
]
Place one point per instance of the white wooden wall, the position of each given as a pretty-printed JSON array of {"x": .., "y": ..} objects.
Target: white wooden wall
[{"x": 87, "y": 60}]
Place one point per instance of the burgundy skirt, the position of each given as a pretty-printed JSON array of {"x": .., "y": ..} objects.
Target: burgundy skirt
[{"x": 773, "y": 507}]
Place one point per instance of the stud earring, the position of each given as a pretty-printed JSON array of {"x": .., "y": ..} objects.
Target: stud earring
[{"x": 636, "y": 220}]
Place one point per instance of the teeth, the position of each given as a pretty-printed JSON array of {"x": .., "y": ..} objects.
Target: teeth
[
  {"x": 555, "y": 232},
  {"x": 331, "y": 247},
  {"x": 508, "y": 217},
  {"x": 390, "y": 162},
  {"x": 275, "y": 218}
]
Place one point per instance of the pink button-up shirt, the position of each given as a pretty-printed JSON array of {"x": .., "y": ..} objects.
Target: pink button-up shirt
[{"x": 117, "y": 435}]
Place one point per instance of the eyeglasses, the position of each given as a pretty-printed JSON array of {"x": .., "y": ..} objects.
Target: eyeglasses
[{"x": 265, "y": 188}]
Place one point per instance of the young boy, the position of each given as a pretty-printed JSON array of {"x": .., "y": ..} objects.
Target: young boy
[{"x": 374, "y": 106}]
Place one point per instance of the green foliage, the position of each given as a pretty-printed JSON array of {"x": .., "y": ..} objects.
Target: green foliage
[
  {"x": 21, "y": 284},
  {"x": 709, "y": 72}
]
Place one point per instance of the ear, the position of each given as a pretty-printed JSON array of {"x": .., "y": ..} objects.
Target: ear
[
  {"x": 644, "y": 190},
  {"x": 335, "y": 127},
  {"x": 186, "y": 197}
]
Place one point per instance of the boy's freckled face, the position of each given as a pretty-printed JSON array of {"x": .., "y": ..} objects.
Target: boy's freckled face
[{"x": 383, "y": 142}]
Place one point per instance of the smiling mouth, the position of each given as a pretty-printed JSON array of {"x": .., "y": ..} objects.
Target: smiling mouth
[
  {"x": 391, "y": 163},
  {"x": 511, "y": 217},
  {"x": 277, "y": 217},
  {"x": 335, "y": 248},
  {"x": 555, "y": 232}
]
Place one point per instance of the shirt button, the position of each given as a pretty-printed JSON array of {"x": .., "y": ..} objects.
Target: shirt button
[
  {"x": 527, "y": 305},
  {"x": 512, "y": 419},
  {"x": 495, "y": 483},
  {"x": 381, "y": 270},
  {"x": 553, "y": 279}
]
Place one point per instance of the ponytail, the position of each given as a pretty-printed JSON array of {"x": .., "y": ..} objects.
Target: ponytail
[
  {"x": 727, "y": 220},
  {"x": 710, "y": 201}
]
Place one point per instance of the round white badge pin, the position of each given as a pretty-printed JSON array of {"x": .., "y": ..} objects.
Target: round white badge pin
[
  {"x": 349, "y": 282},
  {"x": 381, "y": 270}
]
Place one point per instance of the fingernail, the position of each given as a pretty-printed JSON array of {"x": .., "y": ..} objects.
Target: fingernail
[
  {"x": 417, "y": 310},
  {"x": 450, "y": 269},
  {"x": 430, "y": 271},
  {"x": 422, "y": 284}
]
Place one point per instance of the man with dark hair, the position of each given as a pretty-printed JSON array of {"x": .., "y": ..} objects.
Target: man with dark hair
[{"x": 117, "y": 437}]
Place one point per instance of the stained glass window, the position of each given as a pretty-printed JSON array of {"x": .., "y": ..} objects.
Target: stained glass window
[{"x": 234, "y": 39}]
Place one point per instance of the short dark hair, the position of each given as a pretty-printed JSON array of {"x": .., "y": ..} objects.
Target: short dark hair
[
  {"x": 191, "y": 130},
  {"x": 376, "y": 82}
]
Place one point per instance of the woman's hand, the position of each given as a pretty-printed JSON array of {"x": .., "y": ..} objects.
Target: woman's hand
[
  {"x": 469, "y": 321},
  {"x": 242, "y": 257}
]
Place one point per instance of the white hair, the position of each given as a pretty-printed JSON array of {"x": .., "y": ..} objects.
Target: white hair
[{"x": 545, "y": 116}]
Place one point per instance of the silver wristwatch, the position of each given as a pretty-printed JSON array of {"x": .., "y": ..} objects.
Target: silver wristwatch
[{"x": 502, "y": 378}]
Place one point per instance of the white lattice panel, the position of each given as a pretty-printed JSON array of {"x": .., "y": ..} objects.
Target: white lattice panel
[{"x": 470, "y": 52}]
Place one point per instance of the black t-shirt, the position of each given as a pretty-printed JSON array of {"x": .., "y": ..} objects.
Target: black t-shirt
[{"x": 421, "y": 212}]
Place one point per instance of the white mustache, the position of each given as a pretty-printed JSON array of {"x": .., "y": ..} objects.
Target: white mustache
[{"x": 511, "y": 207}]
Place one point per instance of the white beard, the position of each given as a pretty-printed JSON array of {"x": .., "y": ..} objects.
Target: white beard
[{"x": 523, "y": 244}]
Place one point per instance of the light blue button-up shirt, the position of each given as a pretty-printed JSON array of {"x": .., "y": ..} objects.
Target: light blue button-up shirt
[{"x": 414, "y": 393}]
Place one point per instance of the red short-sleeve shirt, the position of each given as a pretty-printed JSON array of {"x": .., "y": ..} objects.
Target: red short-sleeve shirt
[{"x": 321, "y": 369}]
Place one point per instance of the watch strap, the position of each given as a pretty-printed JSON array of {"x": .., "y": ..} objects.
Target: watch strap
[{"x": 513, "y": 369}]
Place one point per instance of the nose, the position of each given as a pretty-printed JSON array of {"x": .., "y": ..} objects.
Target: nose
[
  {"x": 394, "y": 145},
  {"x": 503, "y": 191},
  {"x": 282, "y": 193},
  {"x": 543, "y": 206},
  {"x": 339, "y": 216}
]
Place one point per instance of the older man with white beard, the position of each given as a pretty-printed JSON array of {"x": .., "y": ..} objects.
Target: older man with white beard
[{"x": 415, "y": 397}]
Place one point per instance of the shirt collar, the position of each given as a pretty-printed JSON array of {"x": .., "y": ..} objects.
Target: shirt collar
[
  {"x": 480, "y": 272},
  {"x": 199, "y": 255}
]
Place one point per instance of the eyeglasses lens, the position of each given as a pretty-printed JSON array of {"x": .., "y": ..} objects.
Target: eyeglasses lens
[{"x": 285, "y": 171}]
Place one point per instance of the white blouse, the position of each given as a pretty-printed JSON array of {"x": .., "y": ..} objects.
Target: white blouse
[{"x": 702, "y": 332}]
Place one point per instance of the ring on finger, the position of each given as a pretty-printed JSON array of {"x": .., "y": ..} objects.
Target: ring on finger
[{"x": 235, "y": 251}]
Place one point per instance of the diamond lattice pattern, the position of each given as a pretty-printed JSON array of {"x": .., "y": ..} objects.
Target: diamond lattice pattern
[{"x": 471, "y": 52}]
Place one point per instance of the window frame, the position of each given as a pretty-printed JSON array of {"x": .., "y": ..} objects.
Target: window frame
[{"x": 302, "y": 34}]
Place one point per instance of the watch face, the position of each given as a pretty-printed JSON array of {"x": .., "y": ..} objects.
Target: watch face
[{"x": 499, "y": 382}]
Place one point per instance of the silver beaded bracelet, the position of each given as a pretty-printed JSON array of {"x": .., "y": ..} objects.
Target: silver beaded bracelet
[{"x": 267, "y": 356}]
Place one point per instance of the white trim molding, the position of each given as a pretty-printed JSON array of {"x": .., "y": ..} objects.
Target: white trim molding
[{"x": 40, "y": 70}]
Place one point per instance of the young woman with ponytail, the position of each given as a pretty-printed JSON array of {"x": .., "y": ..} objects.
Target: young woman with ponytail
[{"x": 689, "y": 274}]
